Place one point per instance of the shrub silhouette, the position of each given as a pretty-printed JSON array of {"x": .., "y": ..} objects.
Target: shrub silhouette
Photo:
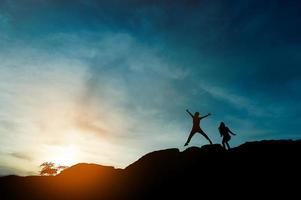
[{"x": 49, "y": 169}]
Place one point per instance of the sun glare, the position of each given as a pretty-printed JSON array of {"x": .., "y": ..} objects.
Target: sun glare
[{"x": 65, "y": 156}]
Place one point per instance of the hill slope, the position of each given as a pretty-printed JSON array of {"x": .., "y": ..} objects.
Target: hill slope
[{"x": 252, "y": 168}]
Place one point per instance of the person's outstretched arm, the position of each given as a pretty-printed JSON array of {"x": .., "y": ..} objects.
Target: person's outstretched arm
[
  {"x": 231, "y": 132},
  {"x": 189, "y": 113},
  {"x": 205, "y": 116}
]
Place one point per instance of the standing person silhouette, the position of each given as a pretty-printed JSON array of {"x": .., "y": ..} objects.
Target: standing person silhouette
[
  {"x": 196, "y": 126},
  {"x": 224, "y": 131}
]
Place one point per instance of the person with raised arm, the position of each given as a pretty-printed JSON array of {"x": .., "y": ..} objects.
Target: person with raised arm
[
  {"x": 196, "y": 126},
  {"x": 224, "y": 131}
]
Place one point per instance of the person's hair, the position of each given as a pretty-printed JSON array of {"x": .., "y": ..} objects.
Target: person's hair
[
  {"x": 222, "y": 124},
  {"x": 196, "y": 113},
  {"x": 221, "y": 127}
]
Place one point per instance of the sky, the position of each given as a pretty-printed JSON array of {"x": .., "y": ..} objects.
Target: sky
[{"x": 108, "y": 81}]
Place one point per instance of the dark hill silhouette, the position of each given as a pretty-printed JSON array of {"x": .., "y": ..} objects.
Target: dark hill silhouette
[{"x": 254, "y": 169}]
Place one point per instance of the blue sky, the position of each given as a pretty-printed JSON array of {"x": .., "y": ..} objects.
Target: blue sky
[{"x": 108, "y": 81}]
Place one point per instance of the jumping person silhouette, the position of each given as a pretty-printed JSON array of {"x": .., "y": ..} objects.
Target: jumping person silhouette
[
  {"x": 224, "y": 131},
  {"x": 196, "y": 126}
]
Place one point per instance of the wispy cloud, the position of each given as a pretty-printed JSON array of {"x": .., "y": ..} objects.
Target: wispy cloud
[
  {"x": 22, "y": 156},
  {"x": 238, "y": 101}
]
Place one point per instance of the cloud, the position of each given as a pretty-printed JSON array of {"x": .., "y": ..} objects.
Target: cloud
[
  {"x": 22, "y": 156},
  {"x": 236, "y": 100}
]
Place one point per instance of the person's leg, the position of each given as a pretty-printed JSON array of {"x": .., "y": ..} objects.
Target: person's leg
[
  {"x": 205, "y": 135},
  {"x": 224, "y": 145},
  {"x": 189, "y": 137},
  {"x": 228, "y": 145},
  {"x": 223, "y": 142},
  {"x": 227, "y": 139}
]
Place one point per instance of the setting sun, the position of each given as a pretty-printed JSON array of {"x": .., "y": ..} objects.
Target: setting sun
[{"x": 64, "y": 155}]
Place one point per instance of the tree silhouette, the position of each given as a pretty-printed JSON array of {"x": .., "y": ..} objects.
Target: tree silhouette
[{"x": 49, "y": 169}]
